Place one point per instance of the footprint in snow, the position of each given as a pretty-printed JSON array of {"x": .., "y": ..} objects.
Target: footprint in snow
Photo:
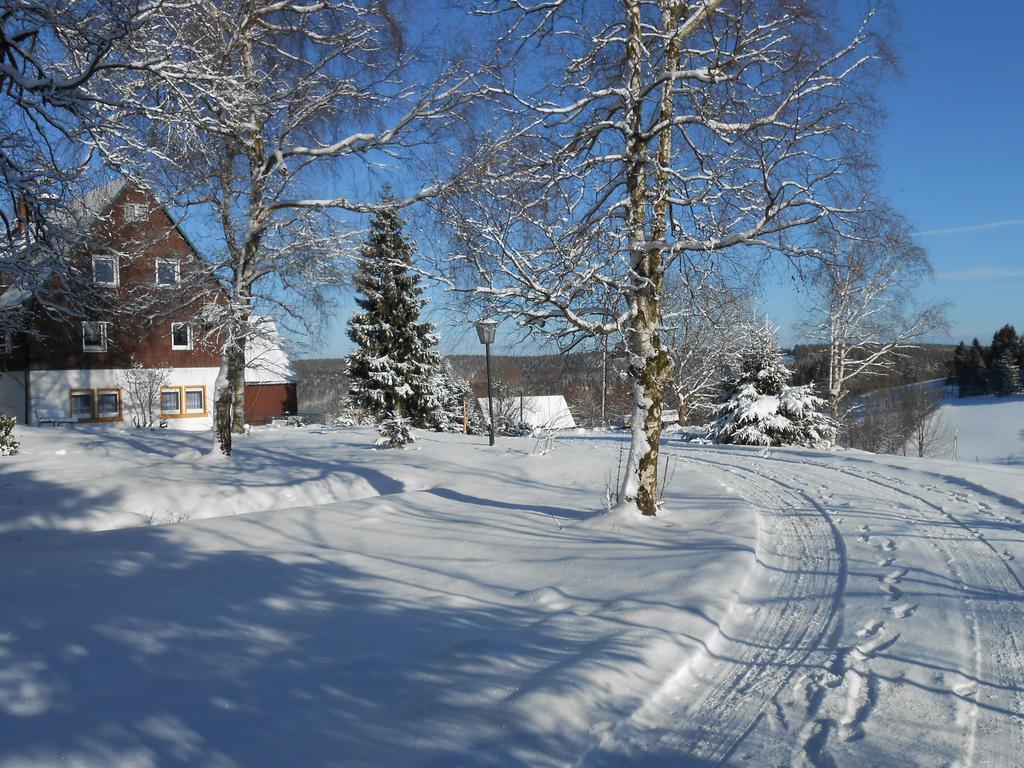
[
  {"x": 885, "y": 562},
  {"x": 891, "y": 590},
  {"x": 895, "y": 577},
  {"x": 965, "y": 690},
  {"x": 870, "y": 647},
  {"x": 1006, "y": 555},
  {"x": 903, "y": 610},
  {"x": 887, "y": 544},
  {"x": 871, "y": 628}
]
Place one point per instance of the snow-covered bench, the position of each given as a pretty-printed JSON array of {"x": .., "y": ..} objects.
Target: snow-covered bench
[{"x": 44, "y": 417}]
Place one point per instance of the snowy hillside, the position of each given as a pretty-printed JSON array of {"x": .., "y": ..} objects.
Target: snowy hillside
[
  {"x": 457, "y": 605},
  {"x": 989, "y": 427}
]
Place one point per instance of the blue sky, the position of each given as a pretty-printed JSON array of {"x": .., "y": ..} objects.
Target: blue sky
[
  {"x": 953, "y": 159},
  {"x": 952, "y": 156}
]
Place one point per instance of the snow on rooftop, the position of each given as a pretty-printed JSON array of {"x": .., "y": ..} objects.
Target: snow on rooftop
[
  {"x": 539, "y": 411},
  {"x": 266, "y": 362}
]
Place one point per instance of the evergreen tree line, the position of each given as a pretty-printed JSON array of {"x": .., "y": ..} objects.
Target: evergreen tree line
[{"x": 991, "y": 370}]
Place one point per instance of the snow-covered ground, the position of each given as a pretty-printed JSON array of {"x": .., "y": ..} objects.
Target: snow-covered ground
[
  {"x": 989, "y": 427},
  {"x": 458, "y": 605}
]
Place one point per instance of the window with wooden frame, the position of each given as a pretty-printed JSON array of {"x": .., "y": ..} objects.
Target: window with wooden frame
[
  {"x": 195, "y": 400},
  {"x": 104, "y": 270},
  {"x": 97, "y": 404},
  {"x": 184, "y": 401},
  {"x": 168, "y": 272},
  {"x": 170, "y": 401},
  {"x": 81, "y": 405},
  {"x": 181, "y": 336},
  {"x": 94, "y": 336}
]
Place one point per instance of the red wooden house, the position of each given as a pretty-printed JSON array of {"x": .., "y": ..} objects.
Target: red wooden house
[{"x": 137, "y": 258}]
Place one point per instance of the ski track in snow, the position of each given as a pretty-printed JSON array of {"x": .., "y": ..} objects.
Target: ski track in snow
[
  {"x": 992, "y": 592},
  {"x": 785, "y": 682},
  {"x": 785, "y": 622}
]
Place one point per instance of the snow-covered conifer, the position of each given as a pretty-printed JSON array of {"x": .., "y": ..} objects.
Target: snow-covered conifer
[
  {"x": 394, "y": 364},
  {"x": 456, "y": 402},
  {"x": 758, "y": 406},
  {"x": 1004, "y": 375},
  {"x": 395, "y": 431}
]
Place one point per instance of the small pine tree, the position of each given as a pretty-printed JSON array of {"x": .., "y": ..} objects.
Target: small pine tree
[
  {"x": 9, "y": 445},
  {"x": 394, "y": 431},
  {"x": 391, "y": 370},
  {"x": 758, "y": 407}
]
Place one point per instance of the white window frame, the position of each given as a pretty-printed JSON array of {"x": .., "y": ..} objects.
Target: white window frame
[
  {"x": 176, "y": 391},
  {"x": 97, "y": 395},
  {"x": 188, "y": 328},
  {"x": 134, "y": 212},
  {"x": 116, "y": 271},
  {"x": 7, "y": 343},
  {"x": 177, "y": 271},
  {"x": 102, "y": 346},
  {"x": 184, "y": 400}
]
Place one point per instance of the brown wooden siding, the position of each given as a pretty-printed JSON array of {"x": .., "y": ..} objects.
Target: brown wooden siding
[
  {"x": 140, "y": 334},
  {"x": 264, "y": 401}
]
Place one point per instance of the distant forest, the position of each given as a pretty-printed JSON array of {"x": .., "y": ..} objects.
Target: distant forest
[{"x": 578, "y": 377}]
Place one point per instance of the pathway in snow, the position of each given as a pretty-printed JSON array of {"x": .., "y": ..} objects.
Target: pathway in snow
[
  {"x": 881, "y": 627},
  {"x": 784, "y": 622}
]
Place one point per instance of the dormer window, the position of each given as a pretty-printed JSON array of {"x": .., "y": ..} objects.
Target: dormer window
[
  {"x": 94, "y": 336},
  {"x": 104, "y": 270},
  {"x": 134, "y": 212},
  {"x": 181, "y": 336},
  {"x": 168, "y": 272}
]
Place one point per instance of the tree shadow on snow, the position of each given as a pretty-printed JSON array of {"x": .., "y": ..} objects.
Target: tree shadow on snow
[{"x": 133, "y": 648}]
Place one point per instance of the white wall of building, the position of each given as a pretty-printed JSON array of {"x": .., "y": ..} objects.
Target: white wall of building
[
  {"x": 12, "y": 395},
  {"x": 51, "y": 391}
]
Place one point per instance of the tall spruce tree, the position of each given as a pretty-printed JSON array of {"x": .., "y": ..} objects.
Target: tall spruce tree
[
  {"x": 975, "y": 377},
  {"x": 1003, "y": 371},
  {"x": 391, "y": 369}
]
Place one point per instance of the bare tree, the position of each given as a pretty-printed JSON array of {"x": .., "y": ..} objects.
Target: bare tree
[
  {"x": 642, "y": 131},
  {"x": 902, "y": 420},
  {"x": 50, "y": 53},
  {"x": 262, "y": 106},
  {"x": 863, "y": 301},
  {"x": 706, "y": 311},
  {"x": 143, "y": 386}
]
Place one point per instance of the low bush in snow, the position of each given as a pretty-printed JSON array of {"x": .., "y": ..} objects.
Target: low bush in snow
[{"x": 9, "y": 446}]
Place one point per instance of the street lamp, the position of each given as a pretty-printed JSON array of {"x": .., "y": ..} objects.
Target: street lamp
[{"x": 485, "y": 328}]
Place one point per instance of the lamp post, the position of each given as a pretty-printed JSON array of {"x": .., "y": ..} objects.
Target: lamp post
[{"x": 485, "y": 328}]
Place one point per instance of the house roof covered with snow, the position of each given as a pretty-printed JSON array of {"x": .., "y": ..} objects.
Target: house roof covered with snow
[
  {"x": 539, "y": 411},
  {"x": 266, "y": 361}
]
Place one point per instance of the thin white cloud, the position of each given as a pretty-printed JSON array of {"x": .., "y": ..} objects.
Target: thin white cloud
[
  {"x": 981, "y": 273},
  {"x": 973, "y": 227}
]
